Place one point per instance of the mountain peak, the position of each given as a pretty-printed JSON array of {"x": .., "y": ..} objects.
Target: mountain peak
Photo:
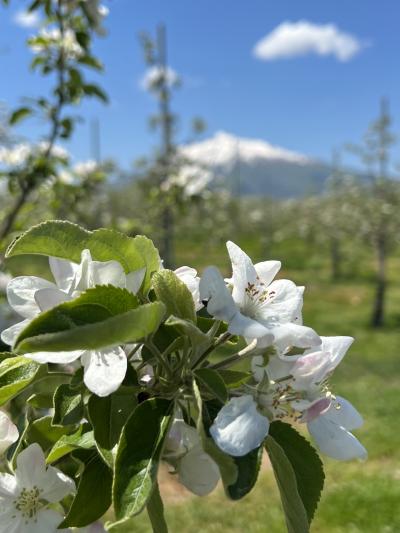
[{"x": 226, "y": 149}]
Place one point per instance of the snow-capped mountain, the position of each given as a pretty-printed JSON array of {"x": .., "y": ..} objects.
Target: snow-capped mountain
[{"x": 251, "y": 166}]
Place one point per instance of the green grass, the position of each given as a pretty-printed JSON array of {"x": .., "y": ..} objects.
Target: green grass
[{"x": 358, "y": 497}]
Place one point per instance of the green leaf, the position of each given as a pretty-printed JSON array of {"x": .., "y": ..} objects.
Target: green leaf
[
  {"x": 68, "y": 406},
  {"x": 16, "y": 373},
  {"x": 42, "y": 432},
  {"x": 93, "y": 496},
  {"x": 174, "y": 294},
  {"x": 90, "y": 89},
  {"x": 248, "y": 468},
  {"x": 305, "y": 461},
  {"x": 213, "y": 382},
  {"x": 100, "y": 317},
  {"x": 150, "y": 256},
  {"x": 19, "y": 114},
  {"x": 186, "y": 327},
  {"x": 67, "y": 240},
  {"x": 68, "y": 443},
  {"x": 108, "y": 416},
  {"x": 138, "y": 456},
  {"x": 155, "y": 509},
  {"x": 233, "y": 378}
]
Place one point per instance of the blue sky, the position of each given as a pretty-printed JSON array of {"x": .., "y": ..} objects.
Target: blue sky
[{"x": 309, "y": 104}]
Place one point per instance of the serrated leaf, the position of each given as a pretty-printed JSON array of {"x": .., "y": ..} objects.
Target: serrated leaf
[
  {"x": 68, "y": 443},
  {"x": 138, "y": 456},
  {"x": 305, "y": 461},
  {"x": 176, "y": 297},
  {"x": 68, "y": 406},
  {"x": 248, "y": 469},
  {"x": 100, "y": 317},
  {"x": 212, "y": 381},
  {"x": 93, "y": 496},
  {"x": 16, "y": 373},
  {"x": 67, "y": 240}
]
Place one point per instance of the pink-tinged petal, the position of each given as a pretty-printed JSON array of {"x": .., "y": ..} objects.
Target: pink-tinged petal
[
  {"x": 316, "y": 409},
  {"x": 21, "y": 294},
  {"x": 335, "y": 441},
  {"x": 243, "y": 272},
  {"x": 48, "y": 298},
  {"x": 8, "y": 432},
  {"x": 31, "y": 466},
  {"x": 198, "y": 472},
  {"x": 104, "y": 370},
  {"x": 310, "y": 370},
  {"x": 219, "y": 300},
  {"x": 10, "y": 335},
  {"x": 267, "y": 270},
  {"x": 135, "y": 279},
  {"x": 61, "y": 358},
  {"x": 239, "y": 427},
  {"x": 64, "y": 273},
  {"x": 341, "y": 412}
]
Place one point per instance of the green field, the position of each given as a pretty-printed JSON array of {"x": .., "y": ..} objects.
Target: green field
[{"x": 358, "y": 497}]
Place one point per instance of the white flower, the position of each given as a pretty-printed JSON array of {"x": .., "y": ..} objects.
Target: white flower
[
  {"x": 51, "y": 39},
  {"x": 24, "y": 496},
  {"x": 239, "y": 427},
  {"x": 258, "y": 308},
  {"x": 8, "y": 432},
  {"x": 85, "y": 168},
  {"x": 97, "y": 13},
  {"x": 190, "y": 278},
  {"x": 105, "y": 369},
  {"x": 330, "y": 427},
  {"x": 196, "y": 470}
]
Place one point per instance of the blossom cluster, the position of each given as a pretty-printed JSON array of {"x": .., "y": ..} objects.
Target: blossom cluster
[{"x": 288, "y": 367}]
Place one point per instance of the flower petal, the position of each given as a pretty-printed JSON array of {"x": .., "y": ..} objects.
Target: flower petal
[
  {"x": 198, "y": 472},
  {"x": 48, "y": 298},
  {"x": 284, "y": 301},
  {"x": 239, "y": 427},
  {"x": 337, "y": 347},
  {"x": 10, "y": 335},
  {"x": 189, "y": 277},
  {"x": 46, "y": 521},
  {"x": 104, "y": 370},
  {"x": 267, "y": 270},
  {"x": 219, "y": 300},
  {"x": 8, "y": 486},
  {"x": 334, "y": 440},
  {"x": 61, "y": 358},
  {"x": 287, "y": 335},
  {"x": 243, "y": 272},
  {"x": 64, "y": 273},
  {"x": 56, "y": 485},
  {"x": 21, "y": 294},
  {"x": 341, "y": 412},
  {"x": 31, "y": 466},
  {"x": 249, "y": 328},
  {"x": 135, "y": 279},
  {"x": 8, "y": 432}
]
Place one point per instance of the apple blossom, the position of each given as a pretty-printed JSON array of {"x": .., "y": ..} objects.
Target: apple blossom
[
  {"x": 8, "y": 432},
  {"x": 25, "y": 495}
]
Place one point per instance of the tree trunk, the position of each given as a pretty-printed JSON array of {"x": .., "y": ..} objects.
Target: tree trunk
[{"x": 379, "y": 303}]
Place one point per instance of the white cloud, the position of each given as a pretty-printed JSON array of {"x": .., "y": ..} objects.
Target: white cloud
[
  {"x": 24, "y": 19},
  {"x": 293, "y": 39},
  {"x": 153, "y": 76}
]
